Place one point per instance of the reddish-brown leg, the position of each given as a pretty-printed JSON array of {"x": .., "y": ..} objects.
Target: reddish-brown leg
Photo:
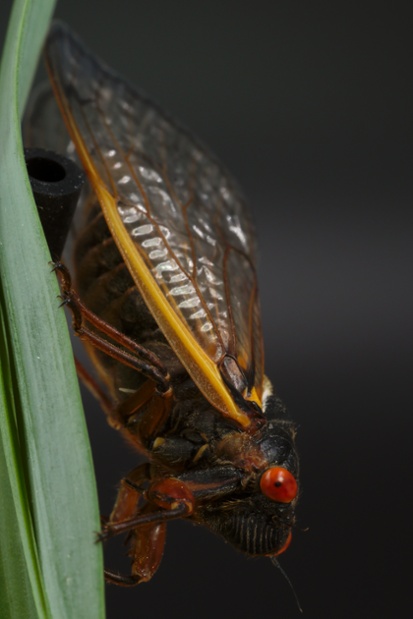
[
  {"x": 145, "y": 406},
  {"x": 154, "y": 397},
  {"x": 165, "y": 500},
  {"x": 146, "y": 546},
  {"x": 124, "y": 349},
  {"x": 95, "y": 389}
]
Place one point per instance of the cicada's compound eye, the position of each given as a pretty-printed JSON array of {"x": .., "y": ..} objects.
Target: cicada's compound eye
[{"x": 279, "y": 485}]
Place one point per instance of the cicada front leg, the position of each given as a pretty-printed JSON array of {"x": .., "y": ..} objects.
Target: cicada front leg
[{"x": 143, "y": 509}]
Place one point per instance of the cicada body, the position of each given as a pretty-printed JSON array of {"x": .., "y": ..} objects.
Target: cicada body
[{"x": 166, "y": 300}]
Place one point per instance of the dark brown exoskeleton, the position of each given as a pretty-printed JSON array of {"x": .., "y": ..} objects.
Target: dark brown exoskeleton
[{"x": 166, "y": 300}]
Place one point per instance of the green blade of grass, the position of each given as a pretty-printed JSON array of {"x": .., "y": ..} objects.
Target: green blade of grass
[
  {"x": 21, "y": 592},
  {"x": 50, "y": 565}
]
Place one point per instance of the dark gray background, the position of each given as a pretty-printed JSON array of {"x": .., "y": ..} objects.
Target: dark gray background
[{"x": 309, "y": 104}]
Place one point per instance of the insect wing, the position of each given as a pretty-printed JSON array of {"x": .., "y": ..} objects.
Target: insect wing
[{"x": 178, "y": 220}]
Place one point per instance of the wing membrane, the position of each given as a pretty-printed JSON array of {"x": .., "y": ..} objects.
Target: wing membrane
[{"x": 178, "y": 219}]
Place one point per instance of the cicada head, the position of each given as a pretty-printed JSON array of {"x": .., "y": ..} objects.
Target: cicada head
[{"x": 258, "y": 518}]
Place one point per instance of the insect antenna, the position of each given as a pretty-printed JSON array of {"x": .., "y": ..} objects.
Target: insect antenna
[{"x": 275, "y": 562}]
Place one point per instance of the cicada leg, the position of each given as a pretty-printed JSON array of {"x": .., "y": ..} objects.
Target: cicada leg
[
  {"x": 143, "y": 413},
  {"x": 124, "y": 349},
  {"x": 95, "y": 389},
  {"x": 164, "y": 500}
]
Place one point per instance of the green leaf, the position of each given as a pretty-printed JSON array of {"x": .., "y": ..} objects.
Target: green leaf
[{"x": 49, "y": 564}]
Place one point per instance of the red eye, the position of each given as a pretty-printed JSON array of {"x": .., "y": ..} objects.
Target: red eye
[{"x": 278, "y": 484}]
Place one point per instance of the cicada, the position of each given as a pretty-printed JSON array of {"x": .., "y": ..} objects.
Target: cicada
[{"x": 166, "y": 299}]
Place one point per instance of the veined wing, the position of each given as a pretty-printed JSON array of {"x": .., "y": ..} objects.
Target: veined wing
[{"x": 178, "y": 220}]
